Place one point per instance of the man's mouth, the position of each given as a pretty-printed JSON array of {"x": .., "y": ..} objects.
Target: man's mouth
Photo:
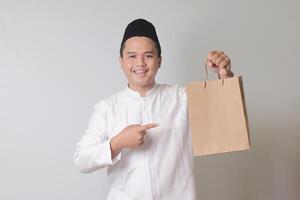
[{"x": 140, "y": 71}]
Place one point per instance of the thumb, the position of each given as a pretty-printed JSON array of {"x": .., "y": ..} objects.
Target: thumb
[{"x": 222, "y": 73}]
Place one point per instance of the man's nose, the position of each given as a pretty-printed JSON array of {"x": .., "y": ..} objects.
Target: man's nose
[{"x": 141, "y": 61}]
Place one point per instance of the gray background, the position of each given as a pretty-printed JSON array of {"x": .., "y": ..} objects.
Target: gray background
[{"x": 59, "y": 58}]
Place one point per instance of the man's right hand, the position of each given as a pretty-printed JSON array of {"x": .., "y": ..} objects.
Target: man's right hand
[{"x": 130, "y": 137}]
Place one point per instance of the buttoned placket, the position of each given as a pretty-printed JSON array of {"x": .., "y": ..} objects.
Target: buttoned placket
[
  {"x": 146, "y": 118},
  {"x": 144, "y": 113}
]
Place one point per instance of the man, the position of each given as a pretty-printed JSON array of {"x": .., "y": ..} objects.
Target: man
[{"x": 141, "y": 134}]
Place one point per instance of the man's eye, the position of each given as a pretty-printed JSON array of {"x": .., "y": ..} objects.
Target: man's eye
[
  {"x": 149, "y": 56},
  {"x": 132, "y": 56}
]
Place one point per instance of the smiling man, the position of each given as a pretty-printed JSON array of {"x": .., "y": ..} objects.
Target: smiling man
[{"x": 141, "y": 134}]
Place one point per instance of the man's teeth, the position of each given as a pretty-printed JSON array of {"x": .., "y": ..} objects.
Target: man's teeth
[{"x": 140, "y": 71}]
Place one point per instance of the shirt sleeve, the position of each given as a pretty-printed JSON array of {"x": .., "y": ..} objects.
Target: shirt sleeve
[{"x": 93, "y": 151}]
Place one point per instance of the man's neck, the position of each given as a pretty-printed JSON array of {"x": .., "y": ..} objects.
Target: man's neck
[{"x": 142, "y": 90}]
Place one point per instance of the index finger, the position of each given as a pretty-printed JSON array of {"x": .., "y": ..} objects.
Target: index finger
[{"x": 149, "y": 126}]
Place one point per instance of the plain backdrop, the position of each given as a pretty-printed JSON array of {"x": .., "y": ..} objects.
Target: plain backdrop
[{"x": 59, "y": 58}]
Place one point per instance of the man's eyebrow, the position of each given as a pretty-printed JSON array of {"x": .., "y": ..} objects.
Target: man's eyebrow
[
  {"x": 130, "y": 52},
  {"x": 149, "y": 52}
]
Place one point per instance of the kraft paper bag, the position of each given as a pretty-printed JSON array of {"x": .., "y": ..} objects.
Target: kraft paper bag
[{"x": 218, "y": 117}]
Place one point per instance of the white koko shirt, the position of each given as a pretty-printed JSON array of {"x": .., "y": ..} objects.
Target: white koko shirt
[{"x": 162, "y": 167}]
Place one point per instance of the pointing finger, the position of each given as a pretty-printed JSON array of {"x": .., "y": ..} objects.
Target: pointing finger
[{"x": 149, "y": 126}]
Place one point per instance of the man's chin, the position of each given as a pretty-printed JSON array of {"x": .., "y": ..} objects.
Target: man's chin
[{"x": 143, "y": 84}]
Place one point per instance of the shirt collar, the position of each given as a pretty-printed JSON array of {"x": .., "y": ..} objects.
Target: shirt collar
[{"x": 134, "y": 93}]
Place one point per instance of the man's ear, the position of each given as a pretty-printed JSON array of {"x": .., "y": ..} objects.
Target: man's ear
[
  {"x": 159, "y": 61},
  {"x": 121, "y": 61}
]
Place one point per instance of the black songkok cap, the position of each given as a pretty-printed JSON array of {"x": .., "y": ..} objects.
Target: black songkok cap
[{"x": 141, "y": 27}]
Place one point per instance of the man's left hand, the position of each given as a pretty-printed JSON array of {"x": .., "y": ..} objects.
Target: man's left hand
[{"x": 220, "y": 63}]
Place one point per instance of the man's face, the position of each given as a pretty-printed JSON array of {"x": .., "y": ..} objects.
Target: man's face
[{"x": 140, "y": 62}]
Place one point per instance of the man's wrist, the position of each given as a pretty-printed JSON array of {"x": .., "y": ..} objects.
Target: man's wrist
[{"x": 115, "y": 146}]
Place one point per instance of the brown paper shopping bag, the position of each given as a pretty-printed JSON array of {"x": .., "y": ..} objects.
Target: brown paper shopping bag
[{"x": 218, "y": 116}]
